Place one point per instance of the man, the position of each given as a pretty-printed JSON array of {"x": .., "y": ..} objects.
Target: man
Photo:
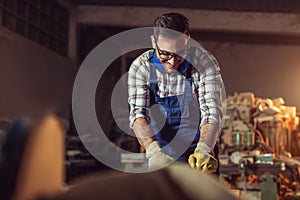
[{"x": 175, "y": 98}]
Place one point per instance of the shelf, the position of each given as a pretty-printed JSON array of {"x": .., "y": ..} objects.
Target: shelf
[{"x": 43, "y": 21}]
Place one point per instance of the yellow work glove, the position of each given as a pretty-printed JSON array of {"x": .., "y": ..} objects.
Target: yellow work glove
[
  {"x": 156, "y": 157},
  {"x": 202, "y": 160}
]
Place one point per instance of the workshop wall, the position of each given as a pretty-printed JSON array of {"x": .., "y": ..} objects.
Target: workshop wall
[
  {"x": 268, "y": 70},
  {"x": 33, "y": 79},
  {"x": 267, "y": 65},
  {"x": 257, "y": 51}
]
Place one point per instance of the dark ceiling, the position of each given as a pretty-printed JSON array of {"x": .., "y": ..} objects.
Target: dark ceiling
[{"x": 283, "y": 6}]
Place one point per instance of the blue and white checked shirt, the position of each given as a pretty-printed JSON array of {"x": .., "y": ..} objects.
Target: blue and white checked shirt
[{"x": 207, "y": 85}]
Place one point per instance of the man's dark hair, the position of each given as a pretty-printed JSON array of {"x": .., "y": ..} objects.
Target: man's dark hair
[{"x": 173, "y": 21}]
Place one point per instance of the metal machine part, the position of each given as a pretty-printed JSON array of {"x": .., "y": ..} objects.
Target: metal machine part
[
  {"x": 280, "y": 179},
  {"x": 257, "y": 148}
]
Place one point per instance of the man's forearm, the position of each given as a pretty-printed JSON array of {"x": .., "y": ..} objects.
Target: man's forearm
[
  {"x": 209, "y": 134},
  {"x": 143, "y": 132}
]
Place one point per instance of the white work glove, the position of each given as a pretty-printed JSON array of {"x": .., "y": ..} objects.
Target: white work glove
[
  {"x": 156, "y": 157},
  {"x": 202, "y": 159}
]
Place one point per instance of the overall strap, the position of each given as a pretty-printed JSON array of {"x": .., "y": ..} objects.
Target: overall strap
[
  {"x": 188, "y": 74},
  {"x": 152, "y": 76},
  {"x": 153, "y": 84}
]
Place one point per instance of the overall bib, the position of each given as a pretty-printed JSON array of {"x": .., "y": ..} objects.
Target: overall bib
[{"x": 180, "y": 133}]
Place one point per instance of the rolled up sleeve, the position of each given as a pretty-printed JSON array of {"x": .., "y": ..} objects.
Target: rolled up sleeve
[
  {"x": 138, "y": 92},
  {"x": 211, "y": 91}
]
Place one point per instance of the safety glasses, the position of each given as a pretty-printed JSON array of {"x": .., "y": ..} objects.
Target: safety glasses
[{"x": 166, "y": 56}]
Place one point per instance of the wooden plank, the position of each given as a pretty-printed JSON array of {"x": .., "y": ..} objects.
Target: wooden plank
[{"x": 226, "y": 21}]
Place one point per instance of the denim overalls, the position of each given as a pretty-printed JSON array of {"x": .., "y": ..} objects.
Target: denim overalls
[{"x": 179, "y": 135}]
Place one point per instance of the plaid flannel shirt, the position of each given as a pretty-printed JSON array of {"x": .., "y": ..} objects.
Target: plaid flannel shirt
[{"x": 207, "y": 85}]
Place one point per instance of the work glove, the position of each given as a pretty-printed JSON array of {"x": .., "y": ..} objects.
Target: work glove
[
  {"x": 156, "y": 157},
  {"x": 202, "y": 159}
]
